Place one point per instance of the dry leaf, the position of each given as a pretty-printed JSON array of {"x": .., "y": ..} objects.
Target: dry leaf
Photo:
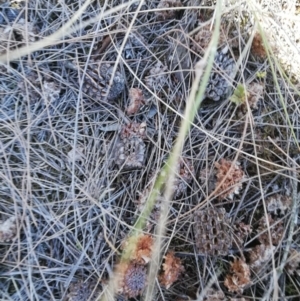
[
  {"x": 157, "y": 77},
  {"x": 133, "y": 129},
  {"x": 255, "y": 93},
  {"x": 260, "y": 255},
  {"x": 136, "y": 100},
  {"x": 172, "y": 268},
  {"x": 203, "y": 37},
  {"x": 239, "y": 276},
  {"x": 257, "y": 47},
  {"x": 229, "y": 179},
  {"x": 143, "y": 249},
  {"x": 276, "y": 229}
]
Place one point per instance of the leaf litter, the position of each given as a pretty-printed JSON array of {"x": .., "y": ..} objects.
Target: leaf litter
[{"x": 81, "y": 150}]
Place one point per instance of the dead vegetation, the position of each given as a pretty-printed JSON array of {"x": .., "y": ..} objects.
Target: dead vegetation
[{"x": 88, "y": 123}]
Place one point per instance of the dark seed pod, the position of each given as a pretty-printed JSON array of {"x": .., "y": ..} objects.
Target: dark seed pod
[
  {"x": 134, "y": 280},
  {"x": 212, "y": 232},
  {"x": 131, "y": 153},
  {"x": 220, "y": 79},
  {"x": 97, "y": 83},
  {"x": 130, "y": 147},
  {"x": 82, "y": 291}
]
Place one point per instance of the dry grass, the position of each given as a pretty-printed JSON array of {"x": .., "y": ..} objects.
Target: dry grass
[{"x": 74, "y": 206}]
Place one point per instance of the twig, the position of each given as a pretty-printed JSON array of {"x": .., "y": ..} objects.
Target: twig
[{"x": 293, "y": 220}]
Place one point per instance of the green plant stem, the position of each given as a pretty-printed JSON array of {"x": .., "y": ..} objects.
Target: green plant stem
[{"x": 193, "y": 103}]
